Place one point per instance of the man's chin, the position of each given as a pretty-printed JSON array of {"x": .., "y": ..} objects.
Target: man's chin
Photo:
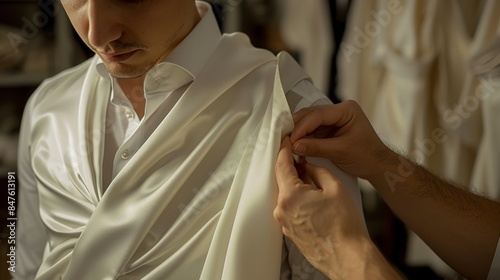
[
  {"x": 127, "y": 75},
  {"x": 126, "y": 72}
]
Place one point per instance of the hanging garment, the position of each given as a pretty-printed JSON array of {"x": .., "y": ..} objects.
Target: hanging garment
[
  {"x": 306, "y": 28},
  {"x": 486, "y": 66},
  {"x": 408, "y": 65}
]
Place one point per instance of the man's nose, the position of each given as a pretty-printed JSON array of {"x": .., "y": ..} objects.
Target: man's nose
[{"x": 104, "y": 26}]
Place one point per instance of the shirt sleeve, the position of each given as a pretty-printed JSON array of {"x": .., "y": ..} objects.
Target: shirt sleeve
[
  {"x": 305, "y": 94},
  {"x": 495, "y": 264},
  {"x": 31, "y": 236}
]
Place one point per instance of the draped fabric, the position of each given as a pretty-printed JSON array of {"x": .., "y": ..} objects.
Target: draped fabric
[
  {"x": 411, "y": 66},
  {"x": 195, "y": 202},
  {"x": 426, "y": 73}
]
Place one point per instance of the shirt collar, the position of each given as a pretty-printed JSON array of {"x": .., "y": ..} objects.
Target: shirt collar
[{"x": 194, "y": 51}]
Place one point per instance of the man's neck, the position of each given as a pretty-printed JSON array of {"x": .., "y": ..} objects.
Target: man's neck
[{"x": 134, "y": 91}]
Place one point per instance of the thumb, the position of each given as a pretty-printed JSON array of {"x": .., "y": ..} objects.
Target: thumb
[
  {"x": 313, "y": 147},
  {"x": 323, "y": 178}
]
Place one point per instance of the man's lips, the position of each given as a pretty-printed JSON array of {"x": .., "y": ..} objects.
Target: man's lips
[{"x": 117, "y": 57}]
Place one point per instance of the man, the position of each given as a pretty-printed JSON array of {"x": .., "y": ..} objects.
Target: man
[
  {"x": 154, "y": 159},
  {"x": 461, "y": 227}
]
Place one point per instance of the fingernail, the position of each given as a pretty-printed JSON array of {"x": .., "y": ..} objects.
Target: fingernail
[
  {"x": 301, "y": 160},
  {"x": 299, "y": 148}
]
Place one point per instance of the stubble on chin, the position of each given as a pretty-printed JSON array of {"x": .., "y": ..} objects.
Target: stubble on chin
[{"x": 129, "y": 72}]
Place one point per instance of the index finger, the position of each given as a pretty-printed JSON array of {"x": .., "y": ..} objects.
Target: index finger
[{"x": 309, "y": 119}]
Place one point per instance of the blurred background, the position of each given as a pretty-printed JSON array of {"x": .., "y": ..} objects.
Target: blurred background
[{"x": 426, "y": 72}]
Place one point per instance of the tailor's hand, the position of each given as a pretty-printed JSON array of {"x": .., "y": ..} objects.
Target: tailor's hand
[
  {"x": 343, "y": 134},
  {"x": 318, "y": 215}
]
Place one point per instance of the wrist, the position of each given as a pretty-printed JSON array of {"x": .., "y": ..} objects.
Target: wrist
[
  {"x": 355, "y": 258},
  {"x": 361, "y": 260},
  {"x": 377, "y": 267}
]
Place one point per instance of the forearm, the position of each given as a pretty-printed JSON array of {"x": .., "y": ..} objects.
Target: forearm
[
  {"x": 461, "y": 227},
  {"x": 359, "y": 259}
]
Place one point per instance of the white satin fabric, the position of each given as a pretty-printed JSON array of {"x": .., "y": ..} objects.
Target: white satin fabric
[{"x": 194, "y": 202}]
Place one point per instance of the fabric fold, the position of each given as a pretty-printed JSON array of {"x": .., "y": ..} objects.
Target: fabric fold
[{"x": 202, "y": 182}]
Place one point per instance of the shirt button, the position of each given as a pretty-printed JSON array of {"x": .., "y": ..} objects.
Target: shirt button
[
  {"x": 125, "y": 155},
  {"x": 129, "y": 114}
]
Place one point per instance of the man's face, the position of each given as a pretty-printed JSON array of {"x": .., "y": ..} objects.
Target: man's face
[{"x": 131, "y": 36}]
